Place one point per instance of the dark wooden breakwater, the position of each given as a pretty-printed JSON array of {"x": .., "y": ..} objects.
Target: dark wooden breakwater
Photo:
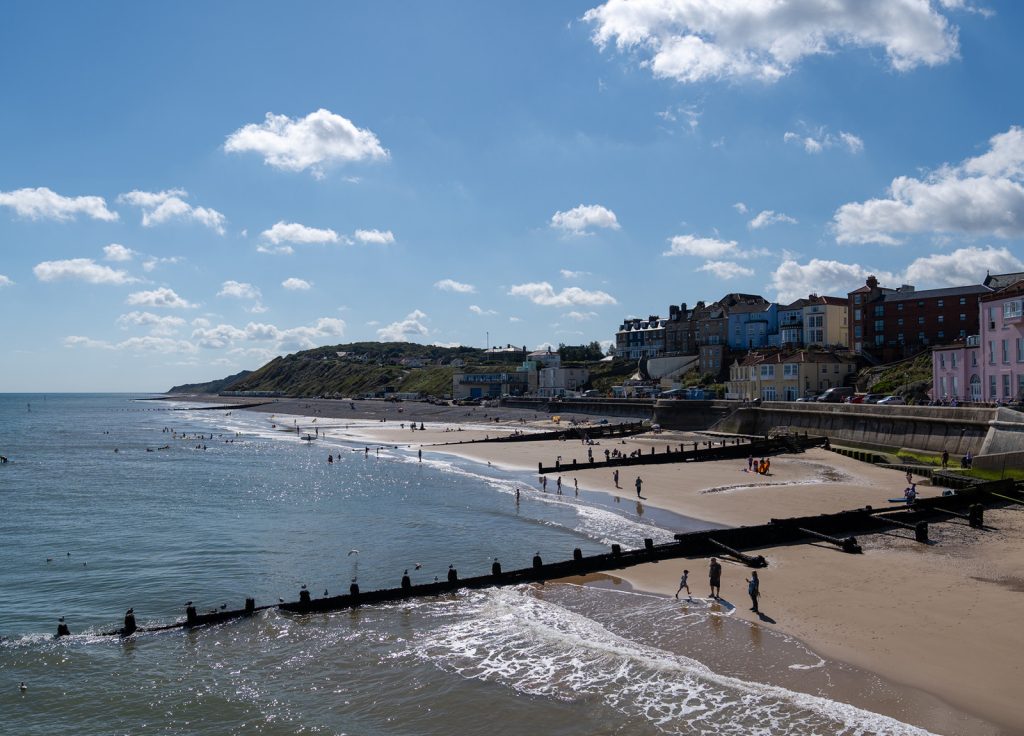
[
  {"x": 580, "y": 432},
  {"x": 837, "y": 529},
  {"x": 724, "y": 449}
]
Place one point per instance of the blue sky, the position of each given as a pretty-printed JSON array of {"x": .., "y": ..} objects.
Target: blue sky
[{"x": 189, "y": 189}]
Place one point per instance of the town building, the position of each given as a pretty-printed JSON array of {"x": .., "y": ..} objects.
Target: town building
[
  {"x": 753, "y": 324},
  {"x": 888, "y": 324},
  {"x": 640, "y": 338},
  {"x": 493, "y": 385},
  {"x": 1001, "y": 341},
  {"x": 826, "y": 322},
  {"x": 957, "y": 370},
  {"x": 561, "y": 381},
  {"x": 791, "y": 324},
  {"x": 787, "y": 376}
]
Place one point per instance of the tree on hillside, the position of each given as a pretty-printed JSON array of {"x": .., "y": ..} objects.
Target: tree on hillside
[{"x": 580, "y": 353}]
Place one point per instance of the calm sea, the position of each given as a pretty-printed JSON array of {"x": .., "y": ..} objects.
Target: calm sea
[{"x": 249, "y": 510}]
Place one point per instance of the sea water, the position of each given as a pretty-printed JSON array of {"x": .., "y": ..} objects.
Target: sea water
[{"x": 111, "y": 502}]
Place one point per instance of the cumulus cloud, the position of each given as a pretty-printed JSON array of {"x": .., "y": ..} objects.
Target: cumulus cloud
[
  {"x": 580, "y": 220},
  {"x": 45, "y": 204},
  {"x": 740, "y": 207},
  {"x": 277, "y": 250},
  {"x": 726, "y": 269},
  {"x": 162, "y": 297},
  {"x": 480, "y": 311},
  {"x": 981, "y": 196},
  {"x": 216, "y": 337},
  {"x": 313, "y": 142},
  {"x": 293, "y": 232},
  {"x": 698, "y": 40},
  {"x": 689, "y": 245},
  {"x": 5, "y": 281},
  {"x": 405, "y": 330},
  {"x": 963, "y": 266},
  {"x": 544, "y": 294},
  {"x": 456, "y": 286},
  {"x": 793, "y": 280},
  {"x": 81, "y": 269},
  {"x": 817, "y": 141},
  {"x": 160, "y": 207},
  {"x": 294, "y": 284},
  {"x": 151, "y": 263},
  {"x": 117, "y": 252},
  {"x": 379, "y": 237},
  {"x": 765, "y": 218},
  {"x": 239, "y": 290},
  {"x": 155, "y": 323}
]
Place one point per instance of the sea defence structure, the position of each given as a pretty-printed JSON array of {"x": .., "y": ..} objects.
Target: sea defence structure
[{"x": 837, "y": 529}]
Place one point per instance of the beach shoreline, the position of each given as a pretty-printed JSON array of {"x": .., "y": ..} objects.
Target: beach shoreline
[{"x": 916, "y": 616}]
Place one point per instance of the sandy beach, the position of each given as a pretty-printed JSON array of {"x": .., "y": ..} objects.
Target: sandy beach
[{"x": 943, "y": 618}]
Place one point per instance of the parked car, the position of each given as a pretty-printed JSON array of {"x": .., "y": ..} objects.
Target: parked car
[
  {"x": 808, "y": 398},
  {"x": 836, "y": 394},
  {"x": 873, "y": 398},
  {"x": 891, "y": 400}
]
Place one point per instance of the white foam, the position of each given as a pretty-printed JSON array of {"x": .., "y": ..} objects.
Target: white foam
[{"x": 512, "y": 637}]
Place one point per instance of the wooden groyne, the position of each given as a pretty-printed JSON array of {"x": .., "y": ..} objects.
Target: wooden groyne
[
  {"x": 588, "y": 431},
  {"x": 838, "y": 529},
  {"x": 724, "y": 449}
]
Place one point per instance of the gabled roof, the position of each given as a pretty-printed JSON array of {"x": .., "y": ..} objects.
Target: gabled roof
[
  {"x": 900, "y": 296},
  {"x": 1015, "y": 288},
  {"x": 750, "y": 308},
  {"x": 1002, "y": 280}
]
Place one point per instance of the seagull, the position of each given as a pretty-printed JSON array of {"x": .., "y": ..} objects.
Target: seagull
[
  {"x": 280, "y": 600},
  {"x": 23, "y": 687},
  {"x": 352, "y": 552},
  {"x": 325, "y": 592},
  {"x": 49, "y": 560},
  {"x": 353, "y": 580},
  {"x": 406, "y": 572},
  {"x": 418, "y": 566},
  {"x": 303, "y": 587},
  {"x": 223, "y": 606},
  {"x": 188, "y": 603}
]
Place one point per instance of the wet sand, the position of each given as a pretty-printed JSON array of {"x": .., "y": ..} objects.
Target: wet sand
[{"x": 943, "y": 619}]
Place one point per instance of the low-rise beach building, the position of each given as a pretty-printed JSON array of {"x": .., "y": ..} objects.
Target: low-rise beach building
[{"x": 787, "y": 376}]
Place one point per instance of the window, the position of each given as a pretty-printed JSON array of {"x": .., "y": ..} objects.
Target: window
[
  {"x": 952, "y": 359},
  {"x": 940, "y": 334},
  {"x": 857, "y": 331},
  {"x": 1020, "y": 350},
  {"x": 991, "y": 352},
  {"x": 963, "y": 317},
  {"x": 791, "y": 370},
  {"x": 942, "y": 386},
  {"x": 1006, "y": 351},
  {"x": 920, "y": 337},
  {"x": 992, "y": 387},
  {"x": 900, "y": 338},
  {"x": 856, "y": 315},
  {"x": 768, "y": 393},
  {"x": 879, "y": 325},
  {"x": 941, "y": 319},
  {"x": 963, "y": 300},
  {"x": 767, "y": 371},
  {"x": 856, "y": 298},
  {"x": 920, "y": 304},
  {"x": 974, "y": 358},
  {"x": 942, "y": 360},
  {"x": 879, "y": 340},
  {"x": 940, "y": 302},
  {"x": 879, "y": 310},
  {"x": 1013, "y": 309},
  {"x": 920, "y": 320},
  {"x": 900, "y": 322},
  {"x": 1006, "y": 385},
  {"x": 899, "y": 307}
]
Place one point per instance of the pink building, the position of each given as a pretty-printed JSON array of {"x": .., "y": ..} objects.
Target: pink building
[
  {"x": 957, "y": 371},
  {"x": 1002, "y": 343}
]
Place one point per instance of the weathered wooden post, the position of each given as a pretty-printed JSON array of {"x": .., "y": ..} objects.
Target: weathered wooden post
[{"x": 976, "y": 515}]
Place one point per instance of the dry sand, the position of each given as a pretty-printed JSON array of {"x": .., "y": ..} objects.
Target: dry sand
[{"x": 947, "y": 618}]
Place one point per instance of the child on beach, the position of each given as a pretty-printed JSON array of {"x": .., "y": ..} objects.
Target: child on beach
[{"x": 684, "y": 585}]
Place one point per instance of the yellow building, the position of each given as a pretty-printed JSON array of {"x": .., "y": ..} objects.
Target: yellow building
[
  {"x": 786, "y": 376},
  {"x": 825, "y": 322}
]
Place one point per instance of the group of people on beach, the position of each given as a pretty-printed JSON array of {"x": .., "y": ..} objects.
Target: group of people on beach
[
  {"x": 715, "y": 580},
  {"x": 761, "y": 467}
]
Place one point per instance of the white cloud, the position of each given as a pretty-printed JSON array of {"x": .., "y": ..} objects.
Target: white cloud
[
  {"x": 981, "y": 196},
  {"x": 380, "y": 237},
  {"x": 567, "y": 274},
  {"x": 726, "y": 269},
  {"x": 117, "y": 252},
  {"x": 964, "y": 266},
  {"x": 481, "y": 311},
  {"x": 160, "y": 207},
  {"x": 740, "y": 207},
  {"x": 293, "y": 232},
  {"x": 544, "y": 294},
  {"x": 277, "y": 250},
  {"x": 295, "y": 284},
  {"x": 162, "y": 297},
  {"x": 580, "y": 316},
  {"x": 698, "y": 40},
  {"x": 200, "y": 322},
  {"x": 404, "y": 330},
  {"x": 312, "y": 142},
  {"x": 150, "y": 264},
  {"x": 81, "y": 269},
  {"x": 239, "y": 290},
  {"x": 820, "y": 139},
  {"x": 5, "y": 281},
  {"x": 579, "y": 220},
  {"x": 793, "y": 280},
  {"x": 769, "y": 217},
  {"x": 220, "y": 336},
  {"x": 688, "y": 245},
  {"x": 456, "y": 286},
  {"x": 45, "y": 204},
  {"x": 138, "y": 345},
  {"x": 155, "y": 323}
]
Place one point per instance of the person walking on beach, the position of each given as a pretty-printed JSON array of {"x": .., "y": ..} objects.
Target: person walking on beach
[
  {"x": 945, "y": 459},
  {"x": 639, "y": 486},
  {"x": 754, "y": 591},
  {"x": 750, "y": 463},
  {"x": 715, "y": 578},
  {"x": 558, "y": 484},
  {"x": 615, "y": 477},
  {"x": 684, "y": 585},
  {"x": 576, "y": 485},
  {"x": 421, "y": 454}
]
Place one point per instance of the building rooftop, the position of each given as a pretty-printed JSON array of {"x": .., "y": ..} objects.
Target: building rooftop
[{"x": 898, "y": 296}]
